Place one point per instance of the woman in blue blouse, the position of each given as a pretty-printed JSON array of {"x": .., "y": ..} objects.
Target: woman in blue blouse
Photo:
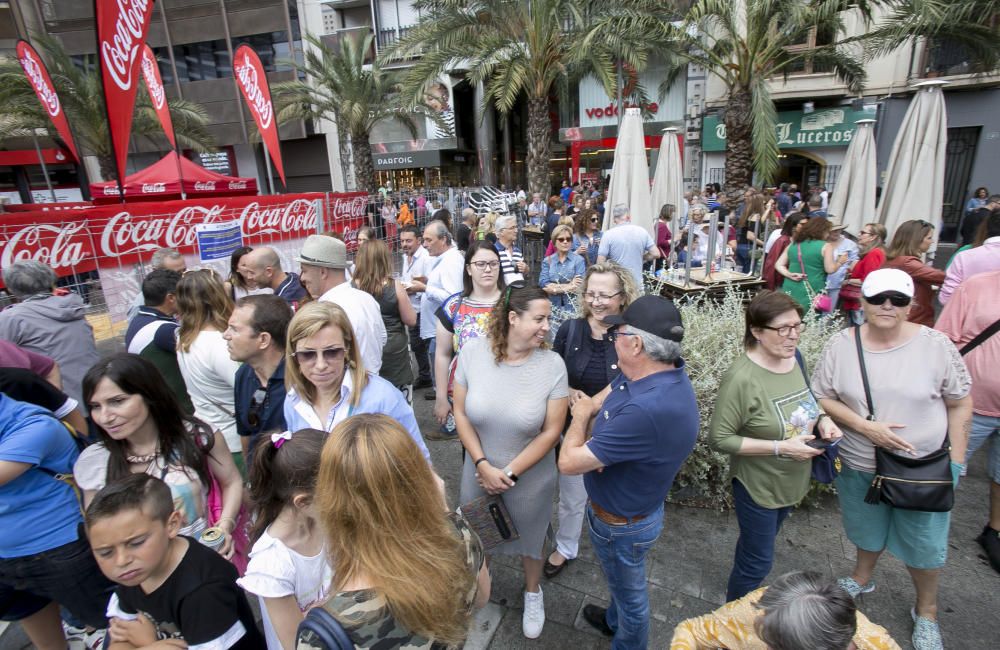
[{"x": 562, "y": 272}]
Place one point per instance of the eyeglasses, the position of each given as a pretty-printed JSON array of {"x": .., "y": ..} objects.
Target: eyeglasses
[
  {"x": 615, "y": 333},
  {"x": 257, "y": 402},
  {"x": 559, "y": 239},
  {"x": 590, "y": 296},
  {"x": 330, "y": 355},
  {"x": 867, "y": 232},
  {"x": 897, "y": 299},
  {"x": 482, "y": 265},
  {"x": 785, "y": 330}
]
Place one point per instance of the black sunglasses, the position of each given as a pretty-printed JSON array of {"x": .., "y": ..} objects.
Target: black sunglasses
[
  {"x": 897, "y": 299},
  {"x": 516, "y": 284},
  {"x": 257, "y": 402}
]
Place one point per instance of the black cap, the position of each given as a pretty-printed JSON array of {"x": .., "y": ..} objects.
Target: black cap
[{"x": 652, "y": 314}]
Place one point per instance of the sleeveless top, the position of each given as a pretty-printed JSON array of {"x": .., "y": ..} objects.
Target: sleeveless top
[{"x": 396, "y": 367}]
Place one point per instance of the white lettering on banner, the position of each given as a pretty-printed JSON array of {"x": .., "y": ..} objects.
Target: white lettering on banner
[
  {"x": 155, "y": 87},
  {"x": 237, "y": 185},
  {"x": 153, "y": 188},
  {"x": 296, "y": 216},
  {"x": 119, "y": 53},
  {"x": 207, "y": 186},
  {"x": 122, "y": 235},
  {"x": 111, "y": 191},
  {"x": 48, "y": 94},
  {"x": 247, "y": 74},
  {"x": 25, "y": 244}
]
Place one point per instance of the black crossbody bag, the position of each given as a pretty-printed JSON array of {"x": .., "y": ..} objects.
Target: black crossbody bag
[{"x": 923, "y": 484}]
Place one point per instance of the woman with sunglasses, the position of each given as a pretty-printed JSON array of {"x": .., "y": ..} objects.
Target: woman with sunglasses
[
  {"x": 465, "y": 316},
  {"x": 764, "y": 416},
  {"x": 909, "y": 244},
  {"x": 587, "y": 235},
  {"x": 209, "y": 373},
  {"x": 326, "y": 377},
  {"x": 919, "y": 394},
  {"x": 510, "y": 406},
  {"x": 591, "y": 364},
  {"x": 871, "y": 242},
  {"x": 562, "y": 271}
]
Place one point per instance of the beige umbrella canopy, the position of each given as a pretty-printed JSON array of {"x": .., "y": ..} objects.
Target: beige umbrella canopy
[
  {"x": 853, "y": 200},
  {"x": 914, "y": 184},
  {"x": 668, "y": 179},
  {"x": 629, "y": 185}
]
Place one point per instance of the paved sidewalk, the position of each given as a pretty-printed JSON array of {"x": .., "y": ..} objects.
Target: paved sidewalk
[{"x": 690, "y": 564}]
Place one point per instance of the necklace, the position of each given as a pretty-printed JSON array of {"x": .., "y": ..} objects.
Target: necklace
[{"x": 143, "y": 459}]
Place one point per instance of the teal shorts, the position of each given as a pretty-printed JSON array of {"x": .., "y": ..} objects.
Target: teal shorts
[{"x": 919, "y": 539}]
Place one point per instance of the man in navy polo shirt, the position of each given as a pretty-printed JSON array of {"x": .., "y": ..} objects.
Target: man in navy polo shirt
[
  {"x": 641, "y": 434},
  {"x": 256, "y": 337}
]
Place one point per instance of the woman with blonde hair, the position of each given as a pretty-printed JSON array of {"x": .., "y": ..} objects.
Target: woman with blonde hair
[
  {"x": 406, "y": 572},
  {"x": 562, "y": 271},
  {"x": 373, "y": 275},
  {"x": 202, "y": 355},
  {"x": 326, "y": 377},
  {"x": 486, "y": 225},
  {"x": 909, "y": 244},
  {"x": 510, "y": 400}
]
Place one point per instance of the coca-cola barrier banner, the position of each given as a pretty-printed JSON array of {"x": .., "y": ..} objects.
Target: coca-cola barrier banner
[
  {"x": 122, "y": 26},
  {"x": 249, "y": 73},
  {"x": 157, "y": 95},
  {"x": 115, "y": 236},
  {"x": 39, "y": 79}
]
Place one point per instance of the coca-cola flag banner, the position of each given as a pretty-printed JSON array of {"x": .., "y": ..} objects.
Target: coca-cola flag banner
[
  {"x": 122, "y": 26},
  {"x": 154, "y": 84},
  {"x": 249, "y": 73},
  {"x": 39, "y": 79}
]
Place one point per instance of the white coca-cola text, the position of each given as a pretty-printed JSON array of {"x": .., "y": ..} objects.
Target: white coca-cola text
[
  {"x": 296, "y": 216},
  {"x": 120, "y": 47},
  {"x": 237, "y": 185},
  {"x": 125, "y": 234},
  {"x": 261, "y": 105},
  {"x": 207, "y": 186},
  {"x": 66, "y": 248},
  {"x": 46, "y": 93},
  {"x": 149, "y": 73},
  {"x": 153, "y": 188}
]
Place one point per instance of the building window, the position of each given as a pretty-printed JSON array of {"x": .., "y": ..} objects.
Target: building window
[
  {"x": 210, "y": 59},
  {"x": 813, "y": 38}
]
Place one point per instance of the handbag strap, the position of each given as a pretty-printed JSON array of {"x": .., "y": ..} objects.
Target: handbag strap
[
  {"x": 802, "y": 267},
  {"x": 980, "y": 338},
  {"x": 864, "y": 374}
]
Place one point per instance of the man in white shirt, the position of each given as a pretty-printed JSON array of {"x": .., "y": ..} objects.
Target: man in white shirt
[
  {"x": 443, "y": 281},
  {"x": 323, "y": 261},
  {"x": 416, "y": 266},
  {"x": 537, "y": 210}
]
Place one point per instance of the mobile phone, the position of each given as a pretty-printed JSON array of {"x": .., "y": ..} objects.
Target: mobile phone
[{"x": 820, "y": 443}]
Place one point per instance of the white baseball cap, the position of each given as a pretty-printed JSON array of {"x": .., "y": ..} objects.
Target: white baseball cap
[{"x": 884, "y": 280}]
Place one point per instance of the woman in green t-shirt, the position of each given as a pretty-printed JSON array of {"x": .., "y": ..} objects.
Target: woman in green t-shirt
[
  {"x": 764, "y": 416},
  {"x": 806, "y": 263}
]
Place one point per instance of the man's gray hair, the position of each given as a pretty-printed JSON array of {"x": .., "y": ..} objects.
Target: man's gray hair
[
  {"x": 658, "y": 349},
  {"x": 439, "y": 230},
  {"x": 161, "y": 256},
  {"x": 29, "y": 278},
  {"x": 468, "y": 213},
  {"x": 619, "y": 212},
  {"x": 804, "y": 610},
  {"x": 504, "y": 221}
]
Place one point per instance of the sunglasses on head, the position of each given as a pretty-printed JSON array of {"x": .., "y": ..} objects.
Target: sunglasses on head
[
  {"x": 256, "y": 405},
  {"x": 330, "y": 355},
  {"x": 516, "y": 284},
  {"x": 897, "y": 299}
]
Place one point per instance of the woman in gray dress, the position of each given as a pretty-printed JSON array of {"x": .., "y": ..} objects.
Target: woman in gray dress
[{"x": 510, "y": 400}]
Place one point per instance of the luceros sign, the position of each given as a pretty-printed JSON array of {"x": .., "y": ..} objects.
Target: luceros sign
[{"x": 829, "y": 127}]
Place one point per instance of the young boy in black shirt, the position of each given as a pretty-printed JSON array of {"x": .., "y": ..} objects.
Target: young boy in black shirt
[{"x": 170, "y": 587}]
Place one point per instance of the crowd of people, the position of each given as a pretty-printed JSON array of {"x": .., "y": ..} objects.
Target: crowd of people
[{"x": 257, "y": 438}]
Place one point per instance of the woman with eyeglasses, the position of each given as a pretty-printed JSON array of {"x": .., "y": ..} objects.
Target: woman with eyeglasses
[
  {"x": 919, "y": 394},
  {"x": 910, "y": 243},
  {"x": 203, "y": 358},
  {"x": 591, "y": 364},
  {"x": 510, "y": 406},
  {"x": 587, "y": 235},
  {"x": 465, "y": 316},
  {"x": 326, "y": 377},
  {"x": 562, "y": 271},
  {"x": 764, "y": 417},
  {"x": 871, "y": 242}
]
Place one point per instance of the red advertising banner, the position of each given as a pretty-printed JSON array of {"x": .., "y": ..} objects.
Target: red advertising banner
[
  {"x": 154, "y": 84},
  {"x": 249, "y": 73},
  {"x": 39, "y": 79},
  {"x": 117, "y": 235},
  {"x": 122, "y": 26}
]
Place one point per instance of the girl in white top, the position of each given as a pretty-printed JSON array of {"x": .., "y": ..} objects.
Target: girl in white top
[
  {"x": 202, "y": 355},
  {"x": 288, "y": 569}
]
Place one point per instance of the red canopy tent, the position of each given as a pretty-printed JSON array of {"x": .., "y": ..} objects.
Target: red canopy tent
[{"x": 159, "y": 182}]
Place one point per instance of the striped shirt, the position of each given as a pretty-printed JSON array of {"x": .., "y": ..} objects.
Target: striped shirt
[{"x": 508, "y": 263}]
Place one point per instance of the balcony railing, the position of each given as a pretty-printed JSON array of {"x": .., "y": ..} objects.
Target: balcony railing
[
  {"x": 388, "y": 36},
  {"x": 333, "y": 39},
  {"x": 944, "y": 58}
]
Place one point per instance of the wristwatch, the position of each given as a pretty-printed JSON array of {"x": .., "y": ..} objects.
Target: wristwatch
[{"x": 510, "y": 474}]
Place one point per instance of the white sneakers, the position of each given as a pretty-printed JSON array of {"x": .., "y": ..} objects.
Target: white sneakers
[{"x": 533, "y": 619}]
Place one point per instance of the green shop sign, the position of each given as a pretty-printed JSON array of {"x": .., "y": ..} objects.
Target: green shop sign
[{"x": 824, "y": 127}]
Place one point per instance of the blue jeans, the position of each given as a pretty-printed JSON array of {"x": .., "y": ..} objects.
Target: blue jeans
[
  {"x": 759, "y": 527},
  {"x": 622, "y": 552},
  {"x": 431, "y": 351},
  {"x": 986, "y": 429}
]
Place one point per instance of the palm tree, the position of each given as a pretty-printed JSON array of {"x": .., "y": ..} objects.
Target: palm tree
[
  {"x": 82, "y": 97},
  {"x": 354, "y": 95},
  {"x": 514, "y": 47},
  {"x": 745, "y": 43}
]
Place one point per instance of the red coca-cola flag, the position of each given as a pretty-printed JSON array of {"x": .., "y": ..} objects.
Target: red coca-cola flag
[
  {"x": 122, "y": 26},
  {"x": 39, "y": 79},
  {"x": 154, "y": 84},
  {"x": 250, "y": 74}
]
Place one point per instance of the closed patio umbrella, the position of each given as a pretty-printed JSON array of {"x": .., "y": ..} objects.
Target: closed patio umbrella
[
  {"x": 914, "y": 184},
  {"x": 853, "y": 200},
  {"x": 668, "y": 179},
  {"x": 629, "y": 185}
]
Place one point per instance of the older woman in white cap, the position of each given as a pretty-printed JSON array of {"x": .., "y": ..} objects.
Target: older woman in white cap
[{"x": 920, "y": 404}]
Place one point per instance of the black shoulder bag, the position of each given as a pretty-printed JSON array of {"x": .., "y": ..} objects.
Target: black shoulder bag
[
  {"x": 980, "y": 338},
  {"x": 904, "y": 482}
]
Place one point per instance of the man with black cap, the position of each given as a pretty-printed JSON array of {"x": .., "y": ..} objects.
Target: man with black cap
[{"x": 641, "y": 434}]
